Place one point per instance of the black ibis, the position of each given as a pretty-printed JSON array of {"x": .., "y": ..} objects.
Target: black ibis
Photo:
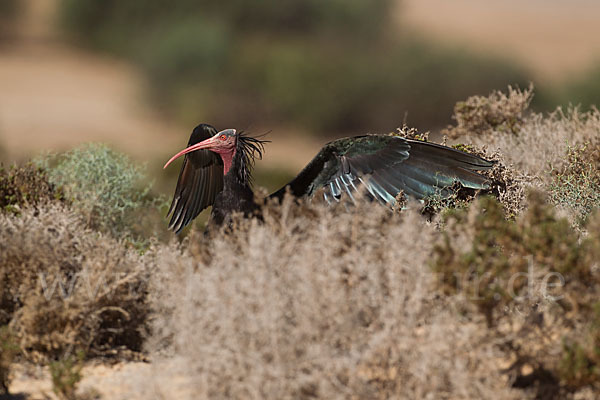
[{"x": 217, "y": 171}]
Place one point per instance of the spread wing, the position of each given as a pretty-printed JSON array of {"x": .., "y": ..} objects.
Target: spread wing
[
  {"x": 199, "y": 182},
  {"x": 386, "y": 166}
]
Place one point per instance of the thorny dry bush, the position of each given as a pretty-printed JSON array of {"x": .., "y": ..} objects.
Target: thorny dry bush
[
  {"x": 557, "y": 153},
  {"x": 499, "y": 112},
  {"x": 25, "y": 186},
  {"x": 319, "y": 304},
  {"x": 537, "y": 281},
  {"x": 67, "y": 288},
  {"x": 365, "y": 303},
  {"x": 506, "y": 183}
]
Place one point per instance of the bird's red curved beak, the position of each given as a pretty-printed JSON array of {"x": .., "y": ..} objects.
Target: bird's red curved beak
[{"x": 205, "y": 144}]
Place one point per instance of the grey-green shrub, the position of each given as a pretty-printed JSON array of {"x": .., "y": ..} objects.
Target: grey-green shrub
[{"x": 103, "y": 185}]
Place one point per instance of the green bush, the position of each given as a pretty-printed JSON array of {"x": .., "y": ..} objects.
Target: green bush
[
  {"x": 104, "y": 186},
  {"x": 66, "y": 374},
  {"x": 94, "y": 20}
]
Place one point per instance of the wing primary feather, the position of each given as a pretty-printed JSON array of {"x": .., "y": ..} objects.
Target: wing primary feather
[
  {"x": 334, "y": 190},
  {"x": 339, "y": 187},
  {"x": 196, "y": 197},
  {"x": 348, "y": 186},
  {"x": 179, "y": 187},
  {"x": 367, "y": 187},
  {"x": 177, "y": 212},
  {"x": 385, "y": 196},
  {"x": 386, "y": 183}
]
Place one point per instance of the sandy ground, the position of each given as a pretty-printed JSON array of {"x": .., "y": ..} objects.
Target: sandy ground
[{"x": 121, "y": 381}]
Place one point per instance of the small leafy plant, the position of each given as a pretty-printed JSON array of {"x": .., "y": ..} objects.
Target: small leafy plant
[
  {"x": 66, "y": 374},
  {"x": 8, "y": 351}
]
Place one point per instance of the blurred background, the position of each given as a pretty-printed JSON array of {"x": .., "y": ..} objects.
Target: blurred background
[{"x": 140, "y": 74}]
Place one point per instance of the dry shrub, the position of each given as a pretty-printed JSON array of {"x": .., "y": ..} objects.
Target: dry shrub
[
  {"x": 499, "y": 112},
  {"x": 537, "y": 281},
  {"x": 506, "y": 183},
  {"x": 542, "y": 141},
  {"x": 576, "y": 185},
  {"x": 25, "y": 186},
  {"x": 479, "y": 121},
  {"x": 534, "y": 150},
  {"x": 551, "y": 153},
  {"x": 66, "y": 288},
  {"x": 318, "y": 303}
]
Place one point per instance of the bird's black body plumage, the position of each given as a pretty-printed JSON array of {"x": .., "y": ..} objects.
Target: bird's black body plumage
[
  {"x": 237, "y": 194},
  {"x": 384, "y": 166}
]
